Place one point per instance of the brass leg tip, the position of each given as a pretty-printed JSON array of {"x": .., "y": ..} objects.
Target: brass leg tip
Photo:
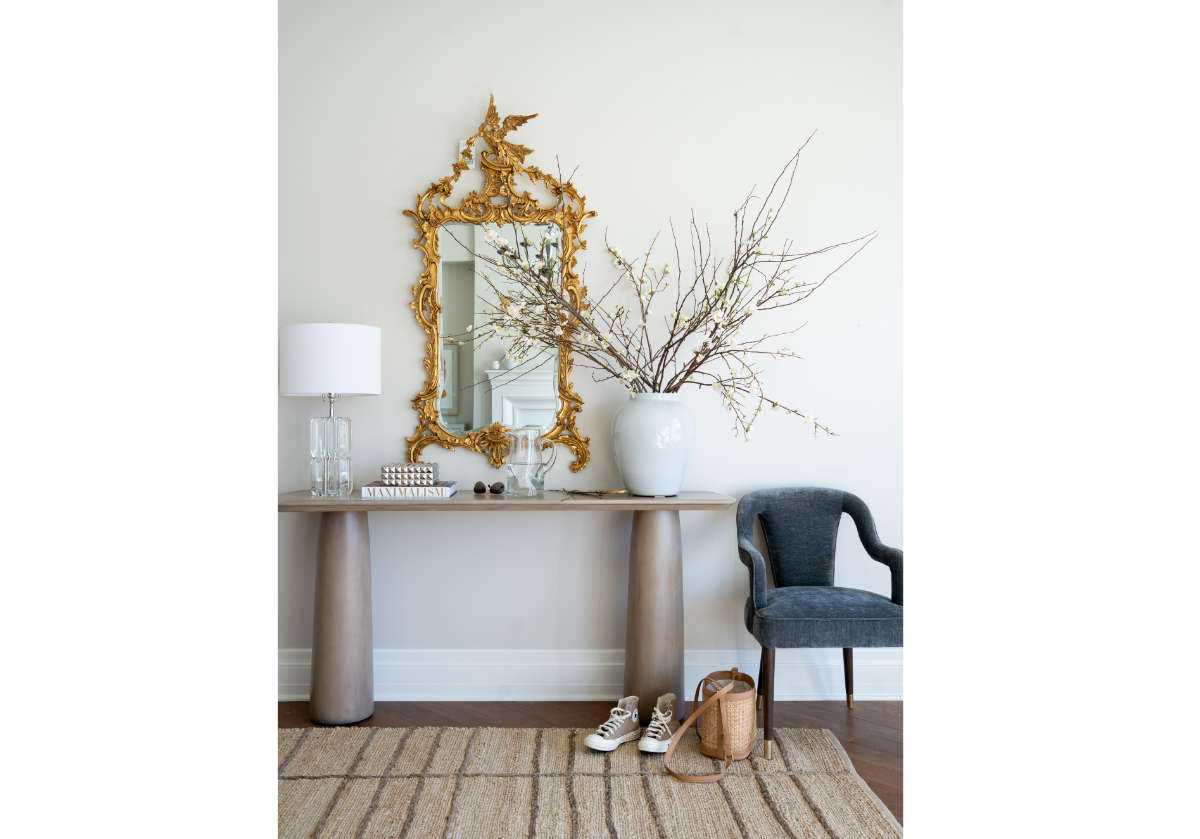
[
  {"x": 850, "y": 701},
  {"x": 767, "y": 749}
]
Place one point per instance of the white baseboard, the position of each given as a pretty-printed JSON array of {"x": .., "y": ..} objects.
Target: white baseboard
[{"x": 566, "y": 675}]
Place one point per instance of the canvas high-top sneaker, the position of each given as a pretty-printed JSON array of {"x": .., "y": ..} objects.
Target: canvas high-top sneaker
[
  {"x": 662, "y": 726},
  {"x": 621, "y": 726}
]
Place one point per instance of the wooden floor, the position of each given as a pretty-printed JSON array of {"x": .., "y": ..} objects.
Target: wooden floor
[{"x": 872, "y": 733}]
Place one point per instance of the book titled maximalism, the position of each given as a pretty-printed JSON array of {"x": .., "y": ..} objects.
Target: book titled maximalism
[{"x": 377, "y": 490}]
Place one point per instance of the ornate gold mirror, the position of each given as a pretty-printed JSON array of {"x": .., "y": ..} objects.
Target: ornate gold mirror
[{"x": 474, "y": 391}]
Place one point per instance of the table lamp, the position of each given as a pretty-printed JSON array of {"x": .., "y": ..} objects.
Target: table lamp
[{"x": 329, "y": 360}]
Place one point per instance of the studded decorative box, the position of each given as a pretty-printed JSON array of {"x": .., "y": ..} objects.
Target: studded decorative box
[{"x": 408, "y": 474}]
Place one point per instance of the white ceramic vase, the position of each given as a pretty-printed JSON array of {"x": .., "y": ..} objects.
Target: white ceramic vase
[{"x": 653, "y": 434}]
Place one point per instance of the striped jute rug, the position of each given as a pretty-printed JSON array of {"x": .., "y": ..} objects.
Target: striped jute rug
[{"x": 526, "y": 782}]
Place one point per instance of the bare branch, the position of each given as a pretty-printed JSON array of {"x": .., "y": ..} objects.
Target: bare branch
[{"x": 701, "y": 340}]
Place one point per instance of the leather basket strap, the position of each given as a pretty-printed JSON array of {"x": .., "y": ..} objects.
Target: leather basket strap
[
  {"x": 715, "y": 776},
  {"x": 696, "y": 700}
]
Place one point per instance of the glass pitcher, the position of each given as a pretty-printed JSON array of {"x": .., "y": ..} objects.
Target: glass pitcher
[{"x": 526, "y": 467}]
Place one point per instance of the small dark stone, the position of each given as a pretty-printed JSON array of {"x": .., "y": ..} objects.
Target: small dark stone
[
  {"x": 498, "y": 488},
  {"x": 480, "y": 487}
]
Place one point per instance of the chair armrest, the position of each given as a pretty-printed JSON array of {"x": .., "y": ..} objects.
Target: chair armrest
[
  {"x": 753, "y": 560},
  {"x": 893, "y": 558}
]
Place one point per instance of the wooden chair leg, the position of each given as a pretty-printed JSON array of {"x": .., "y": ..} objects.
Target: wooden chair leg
[
  {"x": 848, "y": 669},
  {"x": 768, "y": 679},
  {"x": 762, "y": 668}
]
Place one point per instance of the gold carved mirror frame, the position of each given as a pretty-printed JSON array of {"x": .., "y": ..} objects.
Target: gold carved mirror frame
[{"x": 500, "y": 200}]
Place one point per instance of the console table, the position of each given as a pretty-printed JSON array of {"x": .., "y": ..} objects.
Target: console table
[{"x": 342, "y": 678}]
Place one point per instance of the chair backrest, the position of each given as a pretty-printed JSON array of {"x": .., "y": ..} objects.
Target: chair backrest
[{"x": 800, "y": 525}]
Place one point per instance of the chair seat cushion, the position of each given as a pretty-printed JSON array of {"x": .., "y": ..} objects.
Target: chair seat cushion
[{"x": 826, "y": 616}]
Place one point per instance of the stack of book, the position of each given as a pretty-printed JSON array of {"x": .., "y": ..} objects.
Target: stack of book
[{"x": 408, "y": 482}]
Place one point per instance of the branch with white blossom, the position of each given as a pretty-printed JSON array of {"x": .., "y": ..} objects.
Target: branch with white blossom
[{"x": 698, "y": 337}]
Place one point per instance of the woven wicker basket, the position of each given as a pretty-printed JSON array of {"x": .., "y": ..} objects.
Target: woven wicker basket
[
  {"x": 737, "y": 706},
  {"x": 726, "y": 722}
]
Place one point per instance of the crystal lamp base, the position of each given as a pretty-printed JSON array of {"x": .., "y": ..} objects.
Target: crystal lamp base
[{"x": 329, "y": 471}]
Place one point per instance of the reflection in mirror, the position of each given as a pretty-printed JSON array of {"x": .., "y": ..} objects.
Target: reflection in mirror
[{"x": 481, "y": 382}]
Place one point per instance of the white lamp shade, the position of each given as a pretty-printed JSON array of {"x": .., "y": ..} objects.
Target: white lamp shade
[{"x": 320, "y": 358}]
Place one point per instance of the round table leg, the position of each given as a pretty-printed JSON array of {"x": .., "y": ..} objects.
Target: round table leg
[
  {"x": 654, "y": 618},
  {"x": 343, "y": 686}
]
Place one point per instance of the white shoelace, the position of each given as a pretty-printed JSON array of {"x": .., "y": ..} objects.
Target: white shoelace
[
  {"x": 616, "y": 717},
  {"x": 660, "y": 724}
]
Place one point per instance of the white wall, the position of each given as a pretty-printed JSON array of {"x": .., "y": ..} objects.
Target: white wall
[{"x": 665, "y": 108}]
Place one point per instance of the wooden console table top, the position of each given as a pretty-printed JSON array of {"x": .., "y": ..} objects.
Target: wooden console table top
[{"x": 304, "y": 502}]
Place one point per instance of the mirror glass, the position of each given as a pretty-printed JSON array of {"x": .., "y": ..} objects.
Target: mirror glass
[{"x": 481, "y": 383}]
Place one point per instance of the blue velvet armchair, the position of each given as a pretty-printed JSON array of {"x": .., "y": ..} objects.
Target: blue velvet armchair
[{"x": 805, "y": 608}]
